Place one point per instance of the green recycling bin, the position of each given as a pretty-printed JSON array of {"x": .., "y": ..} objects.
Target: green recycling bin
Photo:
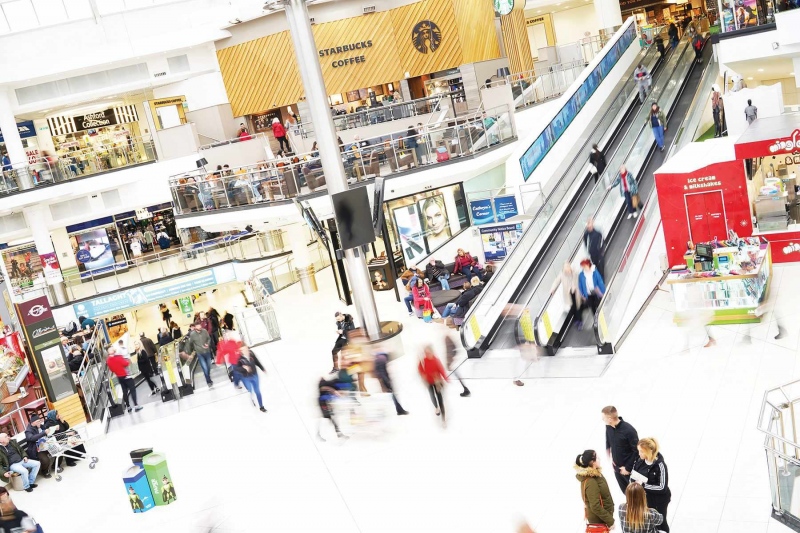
[{"x": 155, "y": 467}]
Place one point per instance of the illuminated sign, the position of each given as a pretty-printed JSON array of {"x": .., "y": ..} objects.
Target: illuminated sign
[{"x": 352, "y": 47}]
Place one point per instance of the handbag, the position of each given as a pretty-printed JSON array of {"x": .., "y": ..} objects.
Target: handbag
[
  {"x": 592, "y": 528},
  {"x": 427, "y": 311},
  {"x": 635, "y": 201}
]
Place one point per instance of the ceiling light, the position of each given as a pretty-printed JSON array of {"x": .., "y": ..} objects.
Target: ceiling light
[
  {"x": 539, "y": 11},
  {"x": 750, "y": 77},
  {"x": 791, "y": 74},
  {"x": 761, "y": 70}
]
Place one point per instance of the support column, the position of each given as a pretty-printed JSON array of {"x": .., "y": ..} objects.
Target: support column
[
  {"x": 12, "y": 140},
  {"x": 301, "y": 259},
  {"x": 316, "y": 96},
  {"x": 35, "y": 217},
  {"x": 609, "y": 16},
  {"x": 515, "y": 40}
]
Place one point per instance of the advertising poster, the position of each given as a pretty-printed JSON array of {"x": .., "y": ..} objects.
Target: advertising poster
[
  {"x": 93, "y": 250},
  {"x": 505, "y": 207},
  {"x": 534, "y": 155},
  {"x": 481, "y": 211},
  {"x": 409, "y": 227},
  {"x": 51, "y": 268},
  {"x": 435, "y": 221},
  {"x": 23, "y": 266},
  {"x": 11, "y": 344},
  {"x": 498, "y": 241},
  {"x": 745, "y": 13}
]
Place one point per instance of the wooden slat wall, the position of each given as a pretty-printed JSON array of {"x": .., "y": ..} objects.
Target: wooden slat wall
[
  {"x": 261, "y": 74},
  {"x": 515, "y": 37},
  {"x": 447, "y": 56},
  {"x": 71, "y": 410},
  {"x": 475, "y": 20}
]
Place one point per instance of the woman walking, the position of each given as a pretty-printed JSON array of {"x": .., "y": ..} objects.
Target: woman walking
[
  {"x": 634, "y": 514},
  {"x": 146, "y": 366},
  {"x": 597, "y": 502},
  {"x": 598, "y": 160},
  {"x": 432, "y": 371},
  {"x": 247, "y": 368},
  {"x": 658, "y": 122},
  {"x": 651, "y": 465}
]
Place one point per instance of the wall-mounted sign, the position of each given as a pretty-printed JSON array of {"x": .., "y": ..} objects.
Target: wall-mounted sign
[
  {"x": 426, "y": 36},
  {"x": 505, "y": 207},
  {"x": 353, "y": 47},
  {"x": 503, "y": 7},
  {"x": 498, "y": 241},
  {"x": 25, "y": 129},
  {"x": 143, "y": 214},
  {"x": 481, "y": 211},
  {"x": 100, "y": 119},
  {"x": 95, "y": 120}
]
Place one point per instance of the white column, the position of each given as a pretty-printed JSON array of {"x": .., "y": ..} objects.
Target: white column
[
  {"x": 608, "y": 14},
  {"x": 12, "y": 140},
  {"x": 36, "y": 218},
  {"x": 298, "y": 241},
  {"x": 317, "y": 98}
]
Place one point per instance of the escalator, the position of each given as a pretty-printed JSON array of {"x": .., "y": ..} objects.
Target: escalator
[
  {"x": 548, "y": 327},
  {"x": 512, "y": 282}
]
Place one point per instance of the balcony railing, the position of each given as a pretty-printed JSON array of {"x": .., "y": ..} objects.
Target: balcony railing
[
  {"x": 299, "y": 176},
  {"x": 235, "y": 140},
  {"x": 79, "y": 163}
]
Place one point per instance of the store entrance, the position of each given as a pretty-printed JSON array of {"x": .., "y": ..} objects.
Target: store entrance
[{"x": 706, "y": 216}]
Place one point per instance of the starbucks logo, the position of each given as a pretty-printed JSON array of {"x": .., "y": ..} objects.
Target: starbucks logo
[{"x": 426, "y": 36}]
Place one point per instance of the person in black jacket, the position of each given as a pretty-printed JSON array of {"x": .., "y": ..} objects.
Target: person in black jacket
[
  {"x": 33, "y": 433},
  {"x": 465, "y": 300},
  {"x": 673, "y": 35},
  {"x": 621, "y": 443},
  {"x": 598, "y": 159},
  {"x": 435, "y": 271},
  {"x": 344, "y": 323},
  {"x": 382, "y": 374},
  {"x": 175, "y": 330},
  {"x": 247, "y": 366},
  {"x": 53, "y": 420},
  {"x": 227, "y": 320},
  {"x": 164, "y": 337},
  {"x": 651, "y": 465},
  {"x": 593, "y": 240}
]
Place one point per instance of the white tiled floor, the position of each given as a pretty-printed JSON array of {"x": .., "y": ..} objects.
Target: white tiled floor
[{"x": 507, "y": 453}]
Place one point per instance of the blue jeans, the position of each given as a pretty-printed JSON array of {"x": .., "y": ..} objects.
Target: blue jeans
[
  {"x": 251, "y": 384},
  {"x": 28, "y": 470},
  {"x": 409, "y": 300},
  {"x": 449, "y": 309},
  {"x": 470, "y": 271},
  {"x": 444, "y": 282},
  {"x": 658, "y": 132},
  {"x": 205, "y": 364},
  {"x": 629, "y": 202}
]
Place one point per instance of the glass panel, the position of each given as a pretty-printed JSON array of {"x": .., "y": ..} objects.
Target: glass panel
[
  {"x": 78, "y": 9},
  {"x": 20, "y": 15},
  {"x": 50, "y": 11}
]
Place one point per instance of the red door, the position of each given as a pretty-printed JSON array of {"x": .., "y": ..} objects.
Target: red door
[{"x": 706, "y": 216}]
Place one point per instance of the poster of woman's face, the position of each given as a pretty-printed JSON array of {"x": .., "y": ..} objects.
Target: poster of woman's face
[{"x": 434, "y": 216}]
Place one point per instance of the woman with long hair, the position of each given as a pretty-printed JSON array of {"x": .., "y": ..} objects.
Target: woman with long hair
[
  {"x": 432, "y": 372},
  {"x": 598, "y": 505},
  {"x": 651, "y": 465},
  {"x": 634, "y": 515}
]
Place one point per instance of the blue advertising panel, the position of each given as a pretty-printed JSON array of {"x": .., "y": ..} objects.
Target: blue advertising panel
[
  {"x": 505, "y": 207},
  {"x": 25, "y": 129},
  {"x": 498, "y": 241},
  {"x": 542, "y": 144},
  {"x": 156, "y": 293},
  {"x": 481, "y": 211}
]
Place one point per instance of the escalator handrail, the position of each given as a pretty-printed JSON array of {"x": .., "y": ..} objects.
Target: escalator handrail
[
  {"x": 640, "y": 220},
  {"x": 580, "y": 156},
  {"x": 599, "y": 207}
]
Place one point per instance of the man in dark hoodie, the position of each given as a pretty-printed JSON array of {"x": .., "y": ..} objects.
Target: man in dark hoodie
[
  {"x": 621, "y": 442},
  {"x": 344, "y": 324}
]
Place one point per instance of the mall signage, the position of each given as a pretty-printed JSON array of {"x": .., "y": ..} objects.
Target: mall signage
[
  {"x": 481, "y": 211},
  {"x": 786, "y": 144},
  {"x": 426, "y": 36},
  {"x": 95, "y": 120},
  {"x": 25, "y": 129},
  {"x": 353, "y": 47}
]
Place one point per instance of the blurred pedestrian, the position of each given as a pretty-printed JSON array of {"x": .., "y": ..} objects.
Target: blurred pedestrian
[
  {"x": 597, "y": 162},
  {"x": 635, "y": 516},
  {"x": 432, "y": 371},
  {"x": 13, "y": 519},
  {"x": 382, "y": 374},
  {"x": 642, "y": 77},
  {"x": 344, "y": 324},
  {"x": 591, "y": 286},
  {"x": 247, "y": 367},
  {"x": 628, "y": 188},
  {"x": 327, "y": 389},
  {"x": 451, "y": 350},
  {"x": 621, "y": 443},
  {"x": 593, "y": 240},
  {"x": 651, "y": 465},
  {"x": 598, "y": 507}
]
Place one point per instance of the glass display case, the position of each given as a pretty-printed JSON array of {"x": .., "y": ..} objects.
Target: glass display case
[{"x": 731, "y": 298}]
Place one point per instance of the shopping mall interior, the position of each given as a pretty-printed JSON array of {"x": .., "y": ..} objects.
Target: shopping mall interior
[{"x": 401, "y": 265}]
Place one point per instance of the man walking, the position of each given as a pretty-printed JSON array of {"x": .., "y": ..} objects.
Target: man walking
[
  {"x": 13, "y": 459},
  {"x": 750, "y": 112},
  {"x": 642, "y": 77},
  {"x": 621, "y": 442},
  {"x": 199, "y": 343},
  {"x": 593, "y": 240}
]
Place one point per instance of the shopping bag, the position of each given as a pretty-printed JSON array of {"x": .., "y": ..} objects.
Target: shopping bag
[
  {"x": 16, "y": 482},
  {"x": 427, "y": 311},
  {"x": 635, "y": 201},
  {"x": 442, "y": 154}
]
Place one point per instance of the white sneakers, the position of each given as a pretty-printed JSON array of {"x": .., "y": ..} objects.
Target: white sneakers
[
  {"x": 633, "y": 215},
  {"x": 630, "y": 215}
]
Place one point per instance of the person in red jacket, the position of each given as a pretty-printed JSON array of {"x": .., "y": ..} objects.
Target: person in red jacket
[
  {"x": 280, "y": 135},
  {"x": 120, "y": 366},
  {"x": 228, "y": 352},
  {"x": 466, "y": 264},
  {"x": 421, "y": 293},
  {"x": 432, "y": 371}
]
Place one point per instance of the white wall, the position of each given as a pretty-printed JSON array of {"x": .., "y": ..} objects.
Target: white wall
[
  {"x": 767, "y": 98},
  {"x": 571, "y": 24},
  {"x": 201, "y": 91}
]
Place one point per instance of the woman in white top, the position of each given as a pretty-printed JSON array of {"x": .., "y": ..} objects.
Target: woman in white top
[{"x": 569, "y": 292}]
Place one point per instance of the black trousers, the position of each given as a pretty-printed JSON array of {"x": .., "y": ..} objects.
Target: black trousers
[
  {"x": 386, "y": 386},
  {"x": 623, "y": 481},
  {"x": 660, "y": 504},
  {"x": 436, "y": 398},
  {"x": 594, "y": 301},
  {"x": 717, "y": 123},
  {"x": 599, "y": 263},
  {"x": 281, "y": 142},
  {"x": 128, "y": 389},
  {"x": 337, "y": 347}
]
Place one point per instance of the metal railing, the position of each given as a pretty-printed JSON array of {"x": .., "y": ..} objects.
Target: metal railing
[
  {"x": 603, "y": 205},
  {"x": 245, "y": 246},
  {"x": 302, "y": 175},
  {"x": 93, "y": 376},
  {"x": 48, "y": 170},
  {"x": 491, "y": 303},
  {"x": 235, "y": 140}
]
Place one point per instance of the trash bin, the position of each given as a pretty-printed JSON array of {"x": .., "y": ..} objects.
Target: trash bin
[
  {"x": 138, "y": 455},
  {"x": 137, "y": 489},
  {"x": 155, "y": 466}
]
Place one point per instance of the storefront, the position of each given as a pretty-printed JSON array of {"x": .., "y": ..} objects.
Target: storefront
[
  {"x": 27, "y": 132},
  {"x": 99, "y": 141},
  {"x": 134, "y": 225}
]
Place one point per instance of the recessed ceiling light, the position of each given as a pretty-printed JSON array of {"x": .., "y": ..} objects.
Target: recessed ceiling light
[
  {"x": 791, "y": 74},
  {"x": 761, "y": 70},
  {"x": 539, "y": 11},
  {"x": 750, "y": 77}
]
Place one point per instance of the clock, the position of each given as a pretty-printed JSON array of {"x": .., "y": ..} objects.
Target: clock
[{"x": 503, "y": 7}]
